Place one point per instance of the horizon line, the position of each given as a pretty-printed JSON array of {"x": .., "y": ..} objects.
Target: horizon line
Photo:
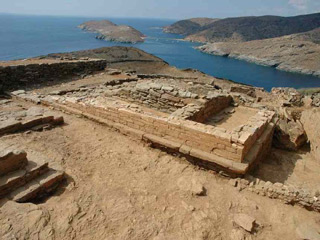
[{"x": 132, "y": 17}]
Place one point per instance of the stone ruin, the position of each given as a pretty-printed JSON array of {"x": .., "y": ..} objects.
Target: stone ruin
[
  {"x": 198, "y": 121},
  {"x": 24, "y": 180}
]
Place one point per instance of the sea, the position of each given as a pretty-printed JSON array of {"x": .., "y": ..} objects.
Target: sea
[{"x": 29, "y": 36}]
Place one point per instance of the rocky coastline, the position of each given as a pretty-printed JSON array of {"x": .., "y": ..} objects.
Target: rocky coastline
[
  {"x": 280, "y": 53},
  {"x": 287, "y": 44}
]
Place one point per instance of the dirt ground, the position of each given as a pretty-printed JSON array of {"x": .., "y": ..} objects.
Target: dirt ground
[{"x": 119, "y": 188}]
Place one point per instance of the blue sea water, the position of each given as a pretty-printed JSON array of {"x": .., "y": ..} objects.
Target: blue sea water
[{"x": 29, "y": 36}]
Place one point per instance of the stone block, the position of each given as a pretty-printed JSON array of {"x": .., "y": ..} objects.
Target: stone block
[
  {"x": 185, "y": 149},
  {"x": 227, "y": 155},
  {"x": 170, "y": 98},
  {"x": 173, "y": 145},
  {"x": 32, "y": 123},
  {"x": 10, "y": 126},
  {"x": 167, "y": 88}
]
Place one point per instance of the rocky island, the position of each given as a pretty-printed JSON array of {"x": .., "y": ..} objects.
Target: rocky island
[
  {"x": 111, "y": 32},
  {"x": 287, "y": 43}
]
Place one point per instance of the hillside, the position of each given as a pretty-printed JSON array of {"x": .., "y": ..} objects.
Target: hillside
[
  {"x": 112, "y": 32},
  {"x": 295, "y": 53},
  {"x": 242, "y": 29},
  {"x": 189, "y": 26}
]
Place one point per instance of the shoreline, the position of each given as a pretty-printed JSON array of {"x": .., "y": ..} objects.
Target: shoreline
[{"x": 260, "y": 61}]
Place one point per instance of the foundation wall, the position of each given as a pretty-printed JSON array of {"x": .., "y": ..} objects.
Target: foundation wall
[
  {"x": 211, "y": 107},
  {"x": 192, "y": 134},
  {"x": 157, "y": 96}
]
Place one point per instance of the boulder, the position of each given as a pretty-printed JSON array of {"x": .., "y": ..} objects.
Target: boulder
[
  {"x": 315, "y": 99},
  {"x": 310, "y": 121},
  {"x": 289, "y": 135}
]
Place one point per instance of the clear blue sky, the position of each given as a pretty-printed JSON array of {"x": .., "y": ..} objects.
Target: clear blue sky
[{"x": 176, "y": 9}]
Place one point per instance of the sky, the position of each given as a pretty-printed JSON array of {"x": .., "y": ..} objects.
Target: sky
[{"x": 171, "y": 9}]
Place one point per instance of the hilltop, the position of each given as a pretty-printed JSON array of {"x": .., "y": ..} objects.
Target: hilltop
[
  {"x": 189, "y": 26},
  {"x": 242, "y": 29},
  {"x": 111, "y": 32}
]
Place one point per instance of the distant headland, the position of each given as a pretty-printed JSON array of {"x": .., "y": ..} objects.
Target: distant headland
[{"x": 109, "y": 31}]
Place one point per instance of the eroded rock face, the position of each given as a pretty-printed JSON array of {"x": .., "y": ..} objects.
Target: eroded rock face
[
  {"x": 288, "y": 96},
  {"x": 310, "y": 120},
  {"x": 289, "y": 135}
]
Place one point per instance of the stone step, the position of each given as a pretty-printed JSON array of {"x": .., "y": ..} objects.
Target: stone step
[
  {"x": 9, "y": 126},
  {"x": 220, "y": 162},
  {"x": 39, "y": 187},
  {"x": 18, "y": 178},
  {"x": 13, "y": 126},
  {"x": 12, "y": 160}
]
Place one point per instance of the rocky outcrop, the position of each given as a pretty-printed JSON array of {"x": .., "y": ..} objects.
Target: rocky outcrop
[
  {"x": 112, "y": 32},
  {"x": 315, "y": 99},
  {"x": 289, "y": 135},
  {"x": 287, "y": 97},
  {"x": 310, "y": 120}
]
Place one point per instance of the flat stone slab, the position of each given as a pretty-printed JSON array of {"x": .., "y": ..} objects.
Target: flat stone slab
[
  {"x": 35, "y": 111},
  {"x": 245, "y": 221}
]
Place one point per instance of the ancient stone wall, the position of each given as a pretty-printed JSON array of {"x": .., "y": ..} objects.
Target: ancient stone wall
[
  {"x": 194, "y": 135},
  {"x": 158, "y": 96},
  {"x": 289, "y": 194},
  {"x": 213, "y": 106},
  {"x": 12, "y": 77}
]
